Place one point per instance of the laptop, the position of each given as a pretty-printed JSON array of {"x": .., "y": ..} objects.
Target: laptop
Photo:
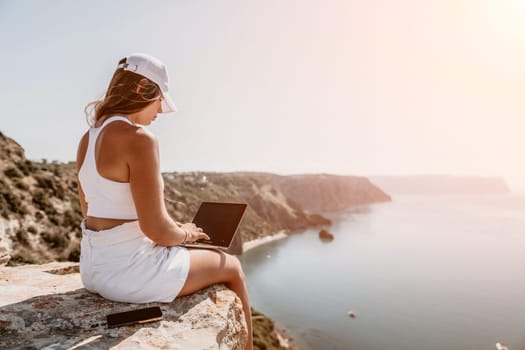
[{"x": 220, "y": 221}]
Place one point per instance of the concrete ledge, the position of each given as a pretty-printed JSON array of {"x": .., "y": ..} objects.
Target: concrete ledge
[{"x": 46, "y": 307}]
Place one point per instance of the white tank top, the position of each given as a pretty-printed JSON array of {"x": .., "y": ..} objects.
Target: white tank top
[{"x": 106, "y": 198}]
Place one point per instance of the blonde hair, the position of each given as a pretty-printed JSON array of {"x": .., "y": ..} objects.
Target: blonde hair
[{"x": 127, "y": 93}]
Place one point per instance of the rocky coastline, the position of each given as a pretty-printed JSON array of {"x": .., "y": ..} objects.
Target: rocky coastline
[{"x": 40, "y": 213}]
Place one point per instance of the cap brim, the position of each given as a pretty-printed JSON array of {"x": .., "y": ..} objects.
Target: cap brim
[{"x": 167, "y": 104}]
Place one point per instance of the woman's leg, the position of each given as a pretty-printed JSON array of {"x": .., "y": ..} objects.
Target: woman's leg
[{"x": 208, "y": 267}]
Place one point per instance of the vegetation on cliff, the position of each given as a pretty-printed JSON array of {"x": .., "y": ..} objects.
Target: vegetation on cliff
[
  {"x": 269, "y": 210},
  {"x": 39, "y": 207}
]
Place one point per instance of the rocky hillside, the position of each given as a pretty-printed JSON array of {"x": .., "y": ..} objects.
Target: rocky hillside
[
  {"x": 269, "y": 210},
  {"x": 40, "y": 213},
  {"x": 289, "y": 202},
  {"x": 39, "y": 209},
  {"x": 320, "y": 193}
]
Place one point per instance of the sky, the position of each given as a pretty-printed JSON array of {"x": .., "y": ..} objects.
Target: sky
[{"x": 368, "y": 87}]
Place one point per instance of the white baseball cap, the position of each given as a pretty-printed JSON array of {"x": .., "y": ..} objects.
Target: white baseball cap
[{"x": 153, "y": 69}]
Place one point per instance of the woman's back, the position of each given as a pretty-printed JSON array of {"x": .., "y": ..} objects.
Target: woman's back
[
  {"x": 111, "y": 148},
  {"x": 104, "y": 173}
]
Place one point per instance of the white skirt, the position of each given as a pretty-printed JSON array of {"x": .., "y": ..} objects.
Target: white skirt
[{"x": 122, "y": 264}]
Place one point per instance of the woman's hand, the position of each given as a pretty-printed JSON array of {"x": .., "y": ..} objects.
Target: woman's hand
[{"x": 194, "y": 233}]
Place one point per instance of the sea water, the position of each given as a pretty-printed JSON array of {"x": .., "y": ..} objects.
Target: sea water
[{"x": 420, "y": 272}]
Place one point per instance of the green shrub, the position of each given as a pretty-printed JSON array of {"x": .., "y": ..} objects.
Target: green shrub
[
  {"x": 75, "y": 202},
  {"x": 42, "y": 201},
  {"x": 22, "y": 237},
  {"x": 45, "y": 182},
  {"x": 60, "y": 193},
  {"x": 39, "y": 216},
  {"x": 9, "y": 202},
  {"x": 71, "y": 219},
  {"x": 26, "y": 167},
  {"x": 74, "y": 255},
  {"x": 73, "y": 185},
  {"x": 49, "y": 184},
  {"x": 55, "y": 240},
  {"x": 13, "y": 172},
  {"x": 20, "y": 259},
  {"x": 57, "y": 171},
  {"x": 21, "y": 185},
  {"x": 53, "y": 218},
  {"x": 78, "y": 232}
]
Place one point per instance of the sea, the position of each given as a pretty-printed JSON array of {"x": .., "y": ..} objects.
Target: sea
[{"x": 419, "y": 272}]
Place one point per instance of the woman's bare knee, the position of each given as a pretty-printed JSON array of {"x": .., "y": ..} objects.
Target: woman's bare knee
[
  {"x": 236, "y": 272},
  {"x": 208, "y": 267},
  {"x": 205, "y": 270}
]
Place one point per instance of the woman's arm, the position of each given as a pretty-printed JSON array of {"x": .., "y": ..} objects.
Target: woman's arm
[
  {"x": 81, "y": 153},
  {"x": 148, "y": 193}
]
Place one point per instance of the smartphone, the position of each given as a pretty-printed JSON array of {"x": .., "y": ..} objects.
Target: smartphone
[{"x": 149, "y": 314}]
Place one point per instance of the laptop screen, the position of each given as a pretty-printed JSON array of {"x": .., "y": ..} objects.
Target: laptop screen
[{"x": 219, "y": 220}]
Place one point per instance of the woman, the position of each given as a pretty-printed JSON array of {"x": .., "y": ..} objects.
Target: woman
[{"x": 130, "y": 245}]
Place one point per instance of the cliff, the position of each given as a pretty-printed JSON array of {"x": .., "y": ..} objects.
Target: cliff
[
  {"x": 441, "y": 184},
  {"x": 283, "y": 202},
  {"x": 46, "y": 306},
  {"x": 320, "y": 193},
  {"x": 269, "y": 210},
  {"x": 39, "y": 208}
]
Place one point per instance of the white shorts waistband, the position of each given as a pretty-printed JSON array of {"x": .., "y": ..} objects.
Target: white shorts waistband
[{"x": 121, "y": 233}]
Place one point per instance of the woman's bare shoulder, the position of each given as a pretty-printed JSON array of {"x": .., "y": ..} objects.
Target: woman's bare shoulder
[
  {"x": 129, "y": 141},
  {"x": 122, "y": 129},
  {"x": 84, "y": 141},
  {"x": 144, "y": 142},
  {"x": 121, "y": 134}
]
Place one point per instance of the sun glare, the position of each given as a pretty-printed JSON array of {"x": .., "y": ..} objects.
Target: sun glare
[{"x": 506, "y": 17}]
